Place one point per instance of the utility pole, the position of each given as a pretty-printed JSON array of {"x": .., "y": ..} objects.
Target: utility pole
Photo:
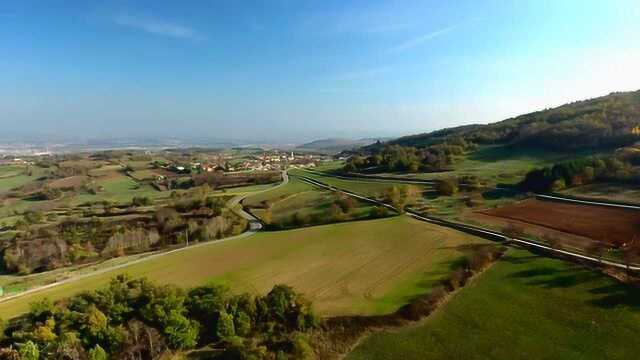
[{"x": 186, "y": 233}]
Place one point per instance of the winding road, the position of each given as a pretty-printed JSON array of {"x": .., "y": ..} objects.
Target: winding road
[{"x": 233, "y": 204}]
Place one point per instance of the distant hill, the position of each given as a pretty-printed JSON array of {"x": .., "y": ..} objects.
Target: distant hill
[
  {"x": 604, "y": 122},
  {"x": 338, "y": 144}
]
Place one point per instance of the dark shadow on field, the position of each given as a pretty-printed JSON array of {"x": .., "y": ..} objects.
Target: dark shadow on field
[
  {"x": 503, "y": 192},
  {"x": 519, "y": 259},
  {"x": 607, "y": 293},
  {"x": 432, "y": 278}
]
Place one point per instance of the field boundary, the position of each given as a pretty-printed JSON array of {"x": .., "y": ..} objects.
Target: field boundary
[
  {"x": 587, "y": 201},
  {"x": 254, "y": 227},
  {"x": 488, "y": 234}
]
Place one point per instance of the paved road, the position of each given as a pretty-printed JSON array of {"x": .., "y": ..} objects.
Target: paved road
[
  {"x": 587, "y": 202},
  {"x": 357, "y": 176},
  {"x": 233, "y": 203},
  {"x": 475, "y": 230}
]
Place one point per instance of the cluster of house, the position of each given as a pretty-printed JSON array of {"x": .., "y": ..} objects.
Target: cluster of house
[{"x": 267, "y": 161}]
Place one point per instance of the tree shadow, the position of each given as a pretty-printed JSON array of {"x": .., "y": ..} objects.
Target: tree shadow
[{"x": 606, "y": 293}]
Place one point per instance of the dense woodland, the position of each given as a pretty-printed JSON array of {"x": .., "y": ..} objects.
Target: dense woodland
[
  {"x": 397, "y": 158},
  {"x": 617, "y": 168},
  {"x": 105, "y": 230},
  {"x": 602, "y": 123},
  {"x": 136, "y": 319}
]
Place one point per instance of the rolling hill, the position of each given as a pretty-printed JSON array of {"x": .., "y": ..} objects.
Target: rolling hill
[
  {"x": 338, "y": 144},
  {"x": 600, "y": 123}
]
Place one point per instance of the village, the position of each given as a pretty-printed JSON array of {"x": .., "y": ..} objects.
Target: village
[{"x": 272, "y": 160}]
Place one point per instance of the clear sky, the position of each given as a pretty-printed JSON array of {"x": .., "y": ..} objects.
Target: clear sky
[{"x": 298, "y": 70}]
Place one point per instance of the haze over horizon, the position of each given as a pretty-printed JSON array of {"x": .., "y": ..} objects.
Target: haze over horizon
[{"x": 298, "y": 71}]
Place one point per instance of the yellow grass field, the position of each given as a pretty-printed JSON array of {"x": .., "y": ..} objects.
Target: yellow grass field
[{"x": 364, "y": 267}]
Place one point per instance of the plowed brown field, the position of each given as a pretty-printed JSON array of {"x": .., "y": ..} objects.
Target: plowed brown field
[{"x": 601, "y": 223}]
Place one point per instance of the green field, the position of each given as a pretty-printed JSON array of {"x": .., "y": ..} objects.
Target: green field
[
  {"x": 298, "y": 197},
  {"x": 607, "y": 191},
  {"x": 372, "y": 188},
  {"x": 497, "y": 164},
  {"x": 121, "y": 189},
  {"x": 13, "y": 176},
  {"x": 365, "y": 267},
  {"x": 294, "y": 186},
  {"x": 524, "y": 307}
]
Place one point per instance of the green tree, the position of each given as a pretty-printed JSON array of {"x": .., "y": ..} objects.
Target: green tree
[
  {"x": 97, "y": 353},
  {"x": 95, "y": 321},
  {"x": 242, "y": 324},
  {"x": 181, "y": 332},
  {"x": 225, "y": 327},
  {"x": 447, "y": 187},
  {"x": 301, "y": 348},
  {"x": 29, "y": 351}
]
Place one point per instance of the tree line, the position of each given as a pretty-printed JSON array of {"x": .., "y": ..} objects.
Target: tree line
[
  {"x": 613, "y": 168},
  {"x": 137, "y": 319}
]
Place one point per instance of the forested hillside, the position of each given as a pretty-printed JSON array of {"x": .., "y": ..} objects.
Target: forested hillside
[{"x": 605, "y": 122}]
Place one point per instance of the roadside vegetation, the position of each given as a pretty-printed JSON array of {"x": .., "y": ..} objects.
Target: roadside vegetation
[{"x": 299, "y": 204}]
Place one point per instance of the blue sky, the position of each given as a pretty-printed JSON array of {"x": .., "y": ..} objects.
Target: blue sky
[{"x": 299, "y": 70}]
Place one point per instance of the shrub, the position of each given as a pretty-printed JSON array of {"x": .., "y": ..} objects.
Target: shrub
[
  {"x": 447, "y": 187},
  {"x": 29, "y": 351},
  {"x": 97, "y": 353}
]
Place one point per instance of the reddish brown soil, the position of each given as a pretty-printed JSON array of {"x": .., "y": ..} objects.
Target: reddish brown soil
[{"x": 606, "y": 224}]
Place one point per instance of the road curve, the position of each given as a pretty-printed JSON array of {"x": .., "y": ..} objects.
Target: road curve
[{"x": 233, "y": 203}]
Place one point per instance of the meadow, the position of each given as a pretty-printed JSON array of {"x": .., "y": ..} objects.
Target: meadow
[
  {"x": 371, "y": 188},
  {"x": 496, "y": 164},
  {"x": 523, "y": 305},
  {"x": 363, "y": 267},
  {"x": 628, "y": 193},
  {"x": 298, "y": 198}
]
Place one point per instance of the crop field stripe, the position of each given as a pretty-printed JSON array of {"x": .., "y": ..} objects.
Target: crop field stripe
[
  {"x": 346, "y": 268},
  {"x": 488, "y": 233}
]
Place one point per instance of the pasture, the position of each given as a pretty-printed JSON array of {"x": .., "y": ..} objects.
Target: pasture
[
  {"x": 525, "y": 306},
  {"x": 364, "y": 267},
  {"x": 629, "y": 193},
  {"x": 300, "y": 198},
  {"x": 371, "y": 188},
  {"x": 496, "y": 164}
]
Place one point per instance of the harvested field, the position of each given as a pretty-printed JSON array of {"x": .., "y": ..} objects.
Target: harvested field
[
  {"x": 600, "y": 223},
  {"x": 366, "y": 267}
]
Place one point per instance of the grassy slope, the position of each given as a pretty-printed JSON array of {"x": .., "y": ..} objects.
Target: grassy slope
[
  {"x": 14, "y": 176},
  {"x": 523, "y": 305},
  {"x": 499, "y": 164},
  {"x": 358, "y": 267},
  {"x": 371, "y": 188},
  {"x": 608, "y": 191},
  {"x": 299, "y": 197}
]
